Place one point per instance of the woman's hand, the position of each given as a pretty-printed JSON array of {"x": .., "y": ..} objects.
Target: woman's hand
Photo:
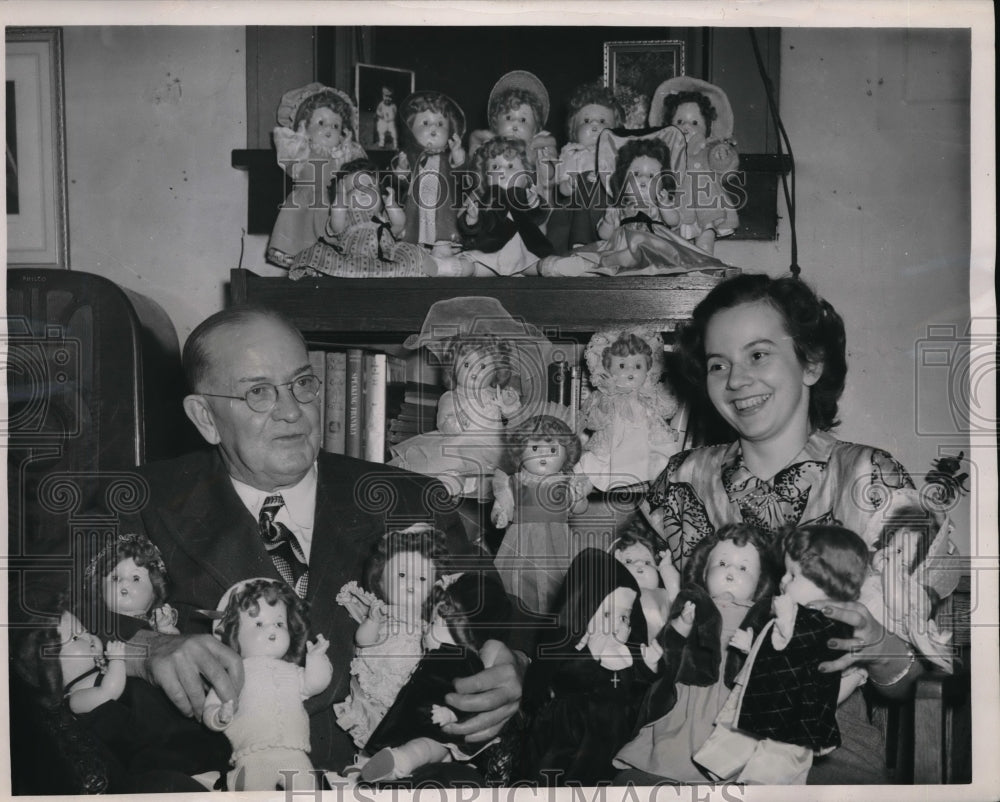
[{"x": 494, "y": 694}]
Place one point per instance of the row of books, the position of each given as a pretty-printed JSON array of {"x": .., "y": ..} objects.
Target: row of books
[{"x": 368, "y": 404}]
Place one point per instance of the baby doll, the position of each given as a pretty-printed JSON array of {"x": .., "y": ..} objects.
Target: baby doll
[
  {"x": 435, "y": 126},
  {"x": 399, "y": 574},
  {"x": 503, "y": 223},
  {"x": 702, "y": 113},
  {"x": 654, "y": 573},
  {"x": 726, "y": 573},
  {"x": 361, "y": 234},
  {"x": 315, "y": 135},
  {"x": 628, "y": 409},
  {"x": 534, "y": 505},
  {"x": 266, "y": 623},
  {"x": 583, "y": 690},
  {"x": 518, "y": 107},
  {"x": 782, "y": 708},
  {"x": 467, "y": 446},
  {"x": 466, "y": 611},
  {"x": 127, "y": 589},
  {"x": 386, "y": 134}
]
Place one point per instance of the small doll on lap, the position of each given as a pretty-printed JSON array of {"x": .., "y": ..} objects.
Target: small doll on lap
[
  {"x": 465, "y": 611},
  {"x": 503, "y": 223},
  {"x": 399, "y": 575},
  {"x": 534, "y": 504},
  {"x": 266, "y": 624},
  {"x": 362, "y": 231},
  {"x": 658, "y": 580}
]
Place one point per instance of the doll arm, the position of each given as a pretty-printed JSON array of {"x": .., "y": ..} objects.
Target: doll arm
[
  {"x": 319, "y": 670},
  {"x": 372, "y": 629},
  {"x": 503, "y": 500},
  {"x": 217, "y": 715},
  {"x": 609, "y": 223},
  {"x": 457, "y": 156},
  {"x": 468, "y": 218},
  {"x": 682, "y": 623},
  {"x": 852, "y": 679},
  {"x": 111, "y": 687},
  {"x": 292, "y": 147},
  {"x": 742, "y": 639},
  {"x": 395, "y": 213},
  {"x": 670, "y": 576},
  {"x": 449, "y": 419},
  {"x": 667, "y": 208},
  {"x": 357, "y": 600},
  {"x": 165, "y": 620},
  {"x": 579, "y": 488},
  {"x": 785, "y": 612},
  {"x": 651, "y": 653}
]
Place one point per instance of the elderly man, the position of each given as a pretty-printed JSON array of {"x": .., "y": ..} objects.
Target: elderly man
[{"x": 254, "y": 399}]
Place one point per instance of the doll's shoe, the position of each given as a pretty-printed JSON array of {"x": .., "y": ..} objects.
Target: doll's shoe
[{"x": 382, "y": 766}]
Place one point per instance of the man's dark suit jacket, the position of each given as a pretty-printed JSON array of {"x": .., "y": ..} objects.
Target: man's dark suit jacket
[{"x": 209, "y": 541}]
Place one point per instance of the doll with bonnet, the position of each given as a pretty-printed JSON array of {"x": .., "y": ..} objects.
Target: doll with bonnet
[
  {"x": 315, "y": 135},
  {"x": 628, "y": 410}
]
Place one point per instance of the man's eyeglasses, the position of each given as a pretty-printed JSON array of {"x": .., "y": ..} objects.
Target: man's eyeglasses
[{"x": 263, "y": 397}]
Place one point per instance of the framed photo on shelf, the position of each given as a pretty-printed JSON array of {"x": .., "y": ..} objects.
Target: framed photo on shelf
[
  {"x": 379, "y": 91},
  {"x": 635, "y": 69},
  {"x": 37, "y": 223}
]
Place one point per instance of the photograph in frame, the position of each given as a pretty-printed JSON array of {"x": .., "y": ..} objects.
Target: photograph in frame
[{"x": 379, "y": 92}]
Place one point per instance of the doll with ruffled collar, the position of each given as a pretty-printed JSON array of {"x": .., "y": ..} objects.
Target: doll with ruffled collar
[
  {"x": 315, "y": 135},
  {"x": 628, "y": 410}
]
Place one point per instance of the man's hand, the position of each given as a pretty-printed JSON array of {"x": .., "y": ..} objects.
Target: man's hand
[
  {"x": 177, "y": 664},
  {"x": 494, "y": 694}
]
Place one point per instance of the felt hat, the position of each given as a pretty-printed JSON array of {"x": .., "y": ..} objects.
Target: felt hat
[
  {"x": 722, "y": 127},
  {"x": 527, "y": 81},
  {"x": 452, "y": 109},
  {"x": 293, "y": 99}
]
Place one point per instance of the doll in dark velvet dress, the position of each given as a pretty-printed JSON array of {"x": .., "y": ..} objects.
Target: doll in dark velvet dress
[
  {"x": 467, "y": 610},
  {"x": 583, "y": 690}
]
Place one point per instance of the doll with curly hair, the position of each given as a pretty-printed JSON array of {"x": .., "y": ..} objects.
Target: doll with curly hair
[
  {"x": 534, "y": 504},
  {"x": 503, "y": 223},
  {"x": 641, "y": 551},
  {"x": 266, "y": 623},
  {"x": 628, "y": 410},
  {"x": 316, "y": 134},
  {"x": 390, "y": 609}
]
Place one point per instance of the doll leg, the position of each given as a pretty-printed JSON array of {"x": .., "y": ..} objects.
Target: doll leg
[
  {"x": 777, "y": 763},
  {"x": 401, "y": 761},
  {"x": 276, "y": 768},
  {"x": 706, "y": 241}
]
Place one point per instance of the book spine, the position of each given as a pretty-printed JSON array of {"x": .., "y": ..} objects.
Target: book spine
[
  {"x": 574, "y": 396},
  {"x": 374, "y": 414},
  {"x": 336, "y": 404},
  {"x": 317, "y": 363},
  {"x": 353, "y": 401}
]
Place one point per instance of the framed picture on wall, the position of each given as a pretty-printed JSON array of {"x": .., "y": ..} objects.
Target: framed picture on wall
[
  {"x": 379, "y": 91},
  {"x": 37, "y": 227},
  {"x": 635, "y": 69}
]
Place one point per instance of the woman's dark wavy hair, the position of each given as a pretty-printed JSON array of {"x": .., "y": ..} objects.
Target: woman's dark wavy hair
[
  {"x": 816, "y": 329},
  {"x": 634, "y": 149},
  {"x": 673, "y": 101},
  {"x": 834, "y": 558},
  {"x": 428, "y": 542},
  {"x": 249, "y": 598},
  {"x": 35, "y": 659},
  {"x": 740, "y": 534},
  {"x": 592, "y": 94},
  {"x": 543, "y": 427}
]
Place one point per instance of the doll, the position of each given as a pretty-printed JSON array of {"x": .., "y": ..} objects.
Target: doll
[
  {"x": 126, "y": 589},
  {"x": 583, "y": 690},
  {"x": 361, "y": 234},
  {"x": 637, "y": 233},
  {"x": 466, "y": 611},
  {"x": 471, "y": 415},
  {"x": 654, "y": 573},
  {"x": 143, "y": 738},
  {"x": 399, "y": 574},
  {"x": 534, "y": 504},
  {"x": 628, "y": 409},
  {"x": 518, "y": 108},
  {"x": 503, "y": 224},
  {"x": 386, "y": 133},
  {"x": 435, "y": 125},
  {"x": 266, "y": 623},
  {"x": 782, "y": 710},
  {"x": 316, "y": 134},
  {"x": 726, "y": 573},
  {"x": 702, "y": 113}
]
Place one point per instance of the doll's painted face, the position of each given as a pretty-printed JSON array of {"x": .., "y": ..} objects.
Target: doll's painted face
[
  {"x": 128, "y": 590},
  {"x": 431, "y": 130},
  {"x": 797, "y": 586},
  {"x": 506, "y": 171},
  {"x": 733, "y": 570},
  {"x": 474, "y": 369},
  {"x": 266, "y": 633},
  {"x": 609, "y": 627},
  {"x": 437, "y": 632},
  {"x": 689, "y": 119},
  {"x": 543, "y": 457},
  {"x": 79, "y": 650},
  {"x": 899, "y": 553},
  {"x": 643, "y": 180},
  {"x": 590, "y": 121},
  {"x": 407, "y": 580},
  {"x": 517, "y": 123},
  {"x": 641, "y": 564},
  {"x": 628, "y": 373},
  {"x": 325, "y": 130}
]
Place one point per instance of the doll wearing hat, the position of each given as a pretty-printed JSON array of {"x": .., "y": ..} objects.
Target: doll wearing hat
[
  {"x": 701, "y": 111},
  {"x": 314, "y": 137}
]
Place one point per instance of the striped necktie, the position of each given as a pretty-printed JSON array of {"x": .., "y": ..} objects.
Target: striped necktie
[{"x": 285, "y": 551}]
